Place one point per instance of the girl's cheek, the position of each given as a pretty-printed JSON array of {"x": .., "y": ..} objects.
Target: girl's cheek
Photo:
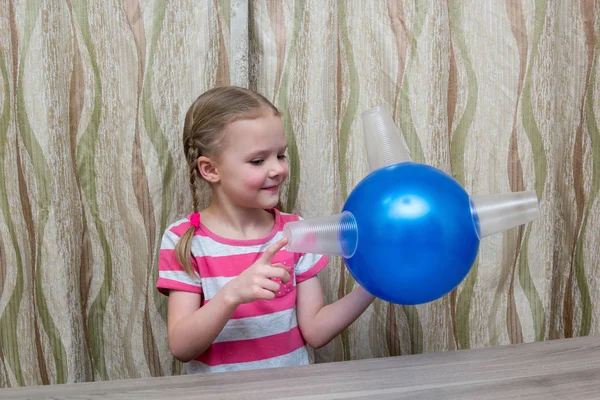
[{"x": 255, "y": 180}]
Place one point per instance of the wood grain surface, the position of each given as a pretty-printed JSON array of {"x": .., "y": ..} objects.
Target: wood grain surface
[{"x": 563, "y": 368}]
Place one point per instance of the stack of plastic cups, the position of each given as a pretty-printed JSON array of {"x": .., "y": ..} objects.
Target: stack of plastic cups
[
  {"x": 499, "y": 212},
  {"x": 333, "y": 235},
  {"x": 383, "y": 141}
]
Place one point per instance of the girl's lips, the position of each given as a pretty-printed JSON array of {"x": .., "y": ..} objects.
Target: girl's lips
[{"x": 272, "y": 188}]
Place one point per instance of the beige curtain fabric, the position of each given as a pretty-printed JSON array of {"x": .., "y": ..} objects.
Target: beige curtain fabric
[{"x": 503, "y": 95}]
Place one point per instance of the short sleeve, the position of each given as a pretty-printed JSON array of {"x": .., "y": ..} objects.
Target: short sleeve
[
  {"x": 171, "y": 275},
  {"x": 309, "y": 265}
]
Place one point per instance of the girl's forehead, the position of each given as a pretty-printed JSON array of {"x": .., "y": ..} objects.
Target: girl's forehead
[{"x": 267, "y": 130}]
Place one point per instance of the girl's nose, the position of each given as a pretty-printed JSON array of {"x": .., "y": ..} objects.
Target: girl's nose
[{"x": 278, "y": 167}]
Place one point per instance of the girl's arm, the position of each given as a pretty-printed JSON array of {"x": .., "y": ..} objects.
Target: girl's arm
[
  {"x": 192, "y": 329},
  {"x": 320, "y": 323}
]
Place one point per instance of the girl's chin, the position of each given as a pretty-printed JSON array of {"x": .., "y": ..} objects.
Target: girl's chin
[{"x": 271, "y": 203}]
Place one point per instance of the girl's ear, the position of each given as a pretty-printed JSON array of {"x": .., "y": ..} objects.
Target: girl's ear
[{"x": 208, "y": 169}]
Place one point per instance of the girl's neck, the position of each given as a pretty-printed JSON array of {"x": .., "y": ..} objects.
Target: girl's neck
[{"x": 237, "y": 223}]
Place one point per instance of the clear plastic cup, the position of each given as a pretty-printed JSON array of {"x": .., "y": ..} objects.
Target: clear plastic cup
[
  {"x": 383, "y": 140},
  {"x": 333, "y": 235},
  {"x": 499, "y": 212}
]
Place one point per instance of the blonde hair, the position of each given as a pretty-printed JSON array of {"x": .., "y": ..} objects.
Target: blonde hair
[{"x": 205, "y": 121}]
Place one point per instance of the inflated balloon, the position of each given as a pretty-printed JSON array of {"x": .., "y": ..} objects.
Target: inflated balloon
[
  {"x": 409, "y": 233},
  {"x": 417, "y": 237}
]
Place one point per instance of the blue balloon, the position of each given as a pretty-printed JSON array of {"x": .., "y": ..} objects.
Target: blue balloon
[{"x": 417, "y": 237}]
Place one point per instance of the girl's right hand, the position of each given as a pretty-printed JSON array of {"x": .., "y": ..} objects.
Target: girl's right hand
[{"x": 256, "y": 282}]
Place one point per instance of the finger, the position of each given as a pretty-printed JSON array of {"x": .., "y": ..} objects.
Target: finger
[
  {"x": 271, "y": 285},
  {"x": 265, "y": 294},
  {"x": 270, "y": 252},
  {"x": 281, "y": 271}
]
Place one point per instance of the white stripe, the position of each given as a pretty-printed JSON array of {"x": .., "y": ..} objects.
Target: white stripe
[
  {"x": 169, "y": 240},
  {"x": 211, "y": 286},
  {"x": 180, "y": 276},
  {"x": 306, "y": 262},
  {"x": 296, "y": 357},
  {"x": 204, "y": 245},
  {"x": 259, "y": 326}
]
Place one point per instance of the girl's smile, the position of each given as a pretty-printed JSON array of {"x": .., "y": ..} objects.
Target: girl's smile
[{"x": 272, "y": 188}]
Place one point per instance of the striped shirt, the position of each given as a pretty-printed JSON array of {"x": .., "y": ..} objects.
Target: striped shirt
[{"x": 260, "y": 334}]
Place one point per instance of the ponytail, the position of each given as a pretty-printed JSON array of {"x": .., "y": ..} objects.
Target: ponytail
[{"x": 183, "y": 251}]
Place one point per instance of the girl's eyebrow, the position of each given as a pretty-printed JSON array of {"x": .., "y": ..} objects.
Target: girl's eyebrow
[
  {"x": 258, "y": 153},
  {"x": 261, "y": 152}
]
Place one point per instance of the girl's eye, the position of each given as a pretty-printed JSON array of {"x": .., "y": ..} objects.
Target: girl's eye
[
  {"x": 281, "y": 157},
  {"x": 256, "y": 162}
]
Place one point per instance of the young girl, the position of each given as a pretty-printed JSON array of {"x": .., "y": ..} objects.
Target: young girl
[{"x": 237, "y": 300}]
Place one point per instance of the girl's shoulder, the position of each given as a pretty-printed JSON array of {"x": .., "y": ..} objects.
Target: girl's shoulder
[
  {"x": 284, "y": 218},
  {"x": 287, "y": 217},
  {"x": 179, "y": 227}
]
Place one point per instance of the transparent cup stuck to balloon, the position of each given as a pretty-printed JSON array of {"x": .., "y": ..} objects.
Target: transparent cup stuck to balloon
[
  {"x": 334, "y": 235},
  {"x": 383, "y": 140},
  {"x": 499, "y": 212}
]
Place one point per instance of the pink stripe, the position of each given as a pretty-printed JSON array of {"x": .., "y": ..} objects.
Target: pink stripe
[
  {"x": 180, "y": 229},
  {"x": 285, "y": 218},
  {"x": 280, "y": 220},
  {"x": 240, "y": 351},
  {"x": 314, "y": 270},
  {"x": 235, "y": 264},
  {"x": 263, "y": 307},
  {"x": 167, "y": 261},
  {"x": 164, "y": 285}
]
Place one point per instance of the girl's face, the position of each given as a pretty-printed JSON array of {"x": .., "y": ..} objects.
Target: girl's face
[{"x": 252, "y": 164}]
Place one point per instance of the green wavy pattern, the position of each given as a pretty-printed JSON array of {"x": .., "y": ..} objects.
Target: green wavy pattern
[
  {"x": 580, "y": 267},
  {"x": 344, "y": 134},
  {"x": 159, "y": 142},
  {"x": 415, "y": 329},
  {"x": 226, "y": 6},
  {"x": 43, "y": 178},
  {"x": 352, "y": 106},
  {"x": 540, "y": 167},
  {"x": 283, "y": 106},
  {"x": 406, "y": 123},
  {"x": 87, "y": 174},
  {"x": 144, "y": 202},
  {"x": 457, "y": 152},
  {"x": 8, "y": 320}
]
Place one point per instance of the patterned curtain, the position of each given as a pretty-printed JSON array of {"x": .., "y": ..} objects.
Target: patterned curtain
[{"x": 503, "y": 95}]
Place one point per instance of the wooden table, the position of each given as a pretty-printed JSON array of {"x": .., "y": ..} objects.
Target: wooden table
[{"x": 557, "y": 369}]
